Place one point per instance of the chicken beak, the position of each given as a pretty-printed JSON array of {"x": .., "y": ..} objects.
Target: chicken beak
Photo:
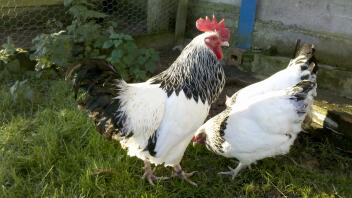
[
  {"x": 194, "y": 144},
  {"x": 225, "y": 44}
]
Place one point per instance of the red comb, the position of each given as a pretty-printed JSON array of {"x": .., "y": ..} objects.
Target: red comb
[{"x": 210, "y": 25}]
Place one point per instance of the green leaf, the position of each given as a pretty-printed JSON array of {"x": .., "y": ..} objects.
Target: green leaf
[
  {"x": 116, "y": 36},
  {"x": 131, "y": 47},
  {"x": 127, "y": 37},
  {"x": 150, "y": 66},
  {"x": 113, "y": 24},
  {"x": 128, "y": 58},
  {"x": 99, "y": 42},
  {"x": 141, "y": 60},
  {"x": 116, "y": 54},
  {"x": 67, "y": 2},
  {"x": 117, "y": 43},
  {"x": 83, "y": 13},
  {"x": 107, "y": 44},
  {"x": 139, "y": 74}
]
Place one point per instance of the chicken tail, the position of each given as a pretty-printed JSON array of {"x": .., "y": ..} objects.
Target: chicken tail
[
  {"x": 305, "y": 59},
  {"x": 100, "y": 85},
  {"x": 91, "y": 74},
  {"x": 308, "y": 51},
  {"x": 302, "y": 96}
]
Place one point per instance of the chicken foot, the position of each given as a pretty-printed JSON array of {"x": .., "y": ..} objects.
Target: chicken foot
[
  {"x": 149, "y": 173},
  {"x": 178, "y": 172},
  {"x": 234, "y": 172}
]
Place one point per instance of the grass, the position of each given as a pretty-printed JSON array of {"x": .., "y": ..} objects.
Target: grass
[{"x": 49, "y": 148}]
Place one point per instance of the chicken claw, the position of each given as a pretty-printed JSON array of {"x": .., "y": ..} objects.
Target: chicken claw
[
  {"x": 233, "y": 172},
  {"x": 178, "y": 172},
  {"x": 149, "y": 174}
]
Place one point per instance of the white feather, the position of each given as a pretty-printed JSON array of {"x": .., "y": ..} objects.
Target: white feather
[
  {"x": 176, "y": 118},
  {"x": 283, "y": 79},
  {"x": 182, "y": 118},
  {"x": 264, "y": 126},
  {"x": 144, "y": 104}
]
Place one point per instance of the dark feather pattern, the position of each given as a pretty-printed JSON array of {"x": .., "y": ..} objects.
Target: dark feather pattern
[
  {"x": 151, "y": 144},
  {"x": 299, "y": 93},
  {"x": 100, "y": 82},
  {"x": 196, "y": 72},
  {"x": 233, "y": 98},
  {"x": 220, "y": 122},
  {"x": 308, "y": 53}
]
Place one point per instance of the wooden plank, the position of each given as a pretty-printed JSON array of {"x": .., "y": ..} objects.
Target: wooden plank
[
  {"x": 181, "y": 20},
  {"x": 28, "y": 3}
]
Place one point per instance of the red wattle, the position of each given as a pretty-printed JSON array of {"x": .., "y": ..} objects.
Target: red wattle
[{"x": 218, "y": 52}]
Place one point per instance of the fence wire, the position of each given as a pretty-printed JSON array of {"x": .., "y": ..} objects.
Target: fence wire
[{"x": 22, "y": 20}]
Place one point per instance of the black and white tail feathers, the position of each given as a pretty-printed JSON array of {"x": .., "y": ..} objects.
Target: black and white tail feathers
[
  {"x": 305, "y": 57},
  {"x": 100, "y": 84},
  {"x": 302, "y": 95}
]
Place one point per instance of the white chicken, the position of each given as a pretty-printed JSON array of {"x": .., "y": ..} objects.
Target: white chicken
[
  {"x": 155, "y": 120},
  {"x": 261, "y": 127},
  {"x": 296, "y": 71}
]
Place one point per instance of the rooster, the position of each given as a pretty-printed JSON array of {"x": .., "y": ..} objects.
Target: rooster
[
  {"x": 263, "y": 126},
  {"x": 155, "y": 120},
  {"x": 296, "y": 71}
]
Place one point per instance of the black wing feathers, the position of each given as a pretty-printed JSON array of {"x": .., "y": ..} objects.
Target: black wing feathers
[{"x": 100, "y": 83}]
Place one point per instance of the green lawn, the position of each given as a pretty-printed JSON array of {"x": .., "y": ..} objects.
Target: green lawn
[{"x": 49, "y": 148}]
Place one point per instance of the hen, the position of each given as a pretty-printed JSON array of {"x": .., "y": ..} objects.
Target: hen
[
  {"x": 264, "y": 126},
  {"x": 155, "y": 120},
  {"x": 296, "y": 71}
]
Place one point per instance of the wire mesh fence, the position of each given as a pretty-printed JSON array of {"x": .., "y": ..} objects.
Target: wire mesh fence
[{"x": 22, "y": 20}]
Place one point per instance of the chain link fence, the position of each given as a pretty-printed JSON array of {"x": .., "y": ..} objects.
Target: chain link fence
[{"x": 22, "y": 20}]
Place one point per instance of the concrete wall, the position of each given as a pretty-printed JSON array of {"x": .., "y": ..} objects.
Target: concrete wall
[
  {"x": 279, "y": 23},
  {"x": 330, "y": 16}
]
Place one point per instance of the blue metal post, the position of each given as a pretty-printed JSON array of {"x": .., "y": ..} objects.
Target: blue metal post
[{"x": 246, "y": 24}]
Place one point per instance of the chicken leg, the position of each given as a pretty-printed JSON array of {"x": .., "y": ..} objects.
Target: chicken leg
[
  {"x": 178, "y": 172},
  {"x": 234, "y": 172},
  {"x": 149, "y": 173}
]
